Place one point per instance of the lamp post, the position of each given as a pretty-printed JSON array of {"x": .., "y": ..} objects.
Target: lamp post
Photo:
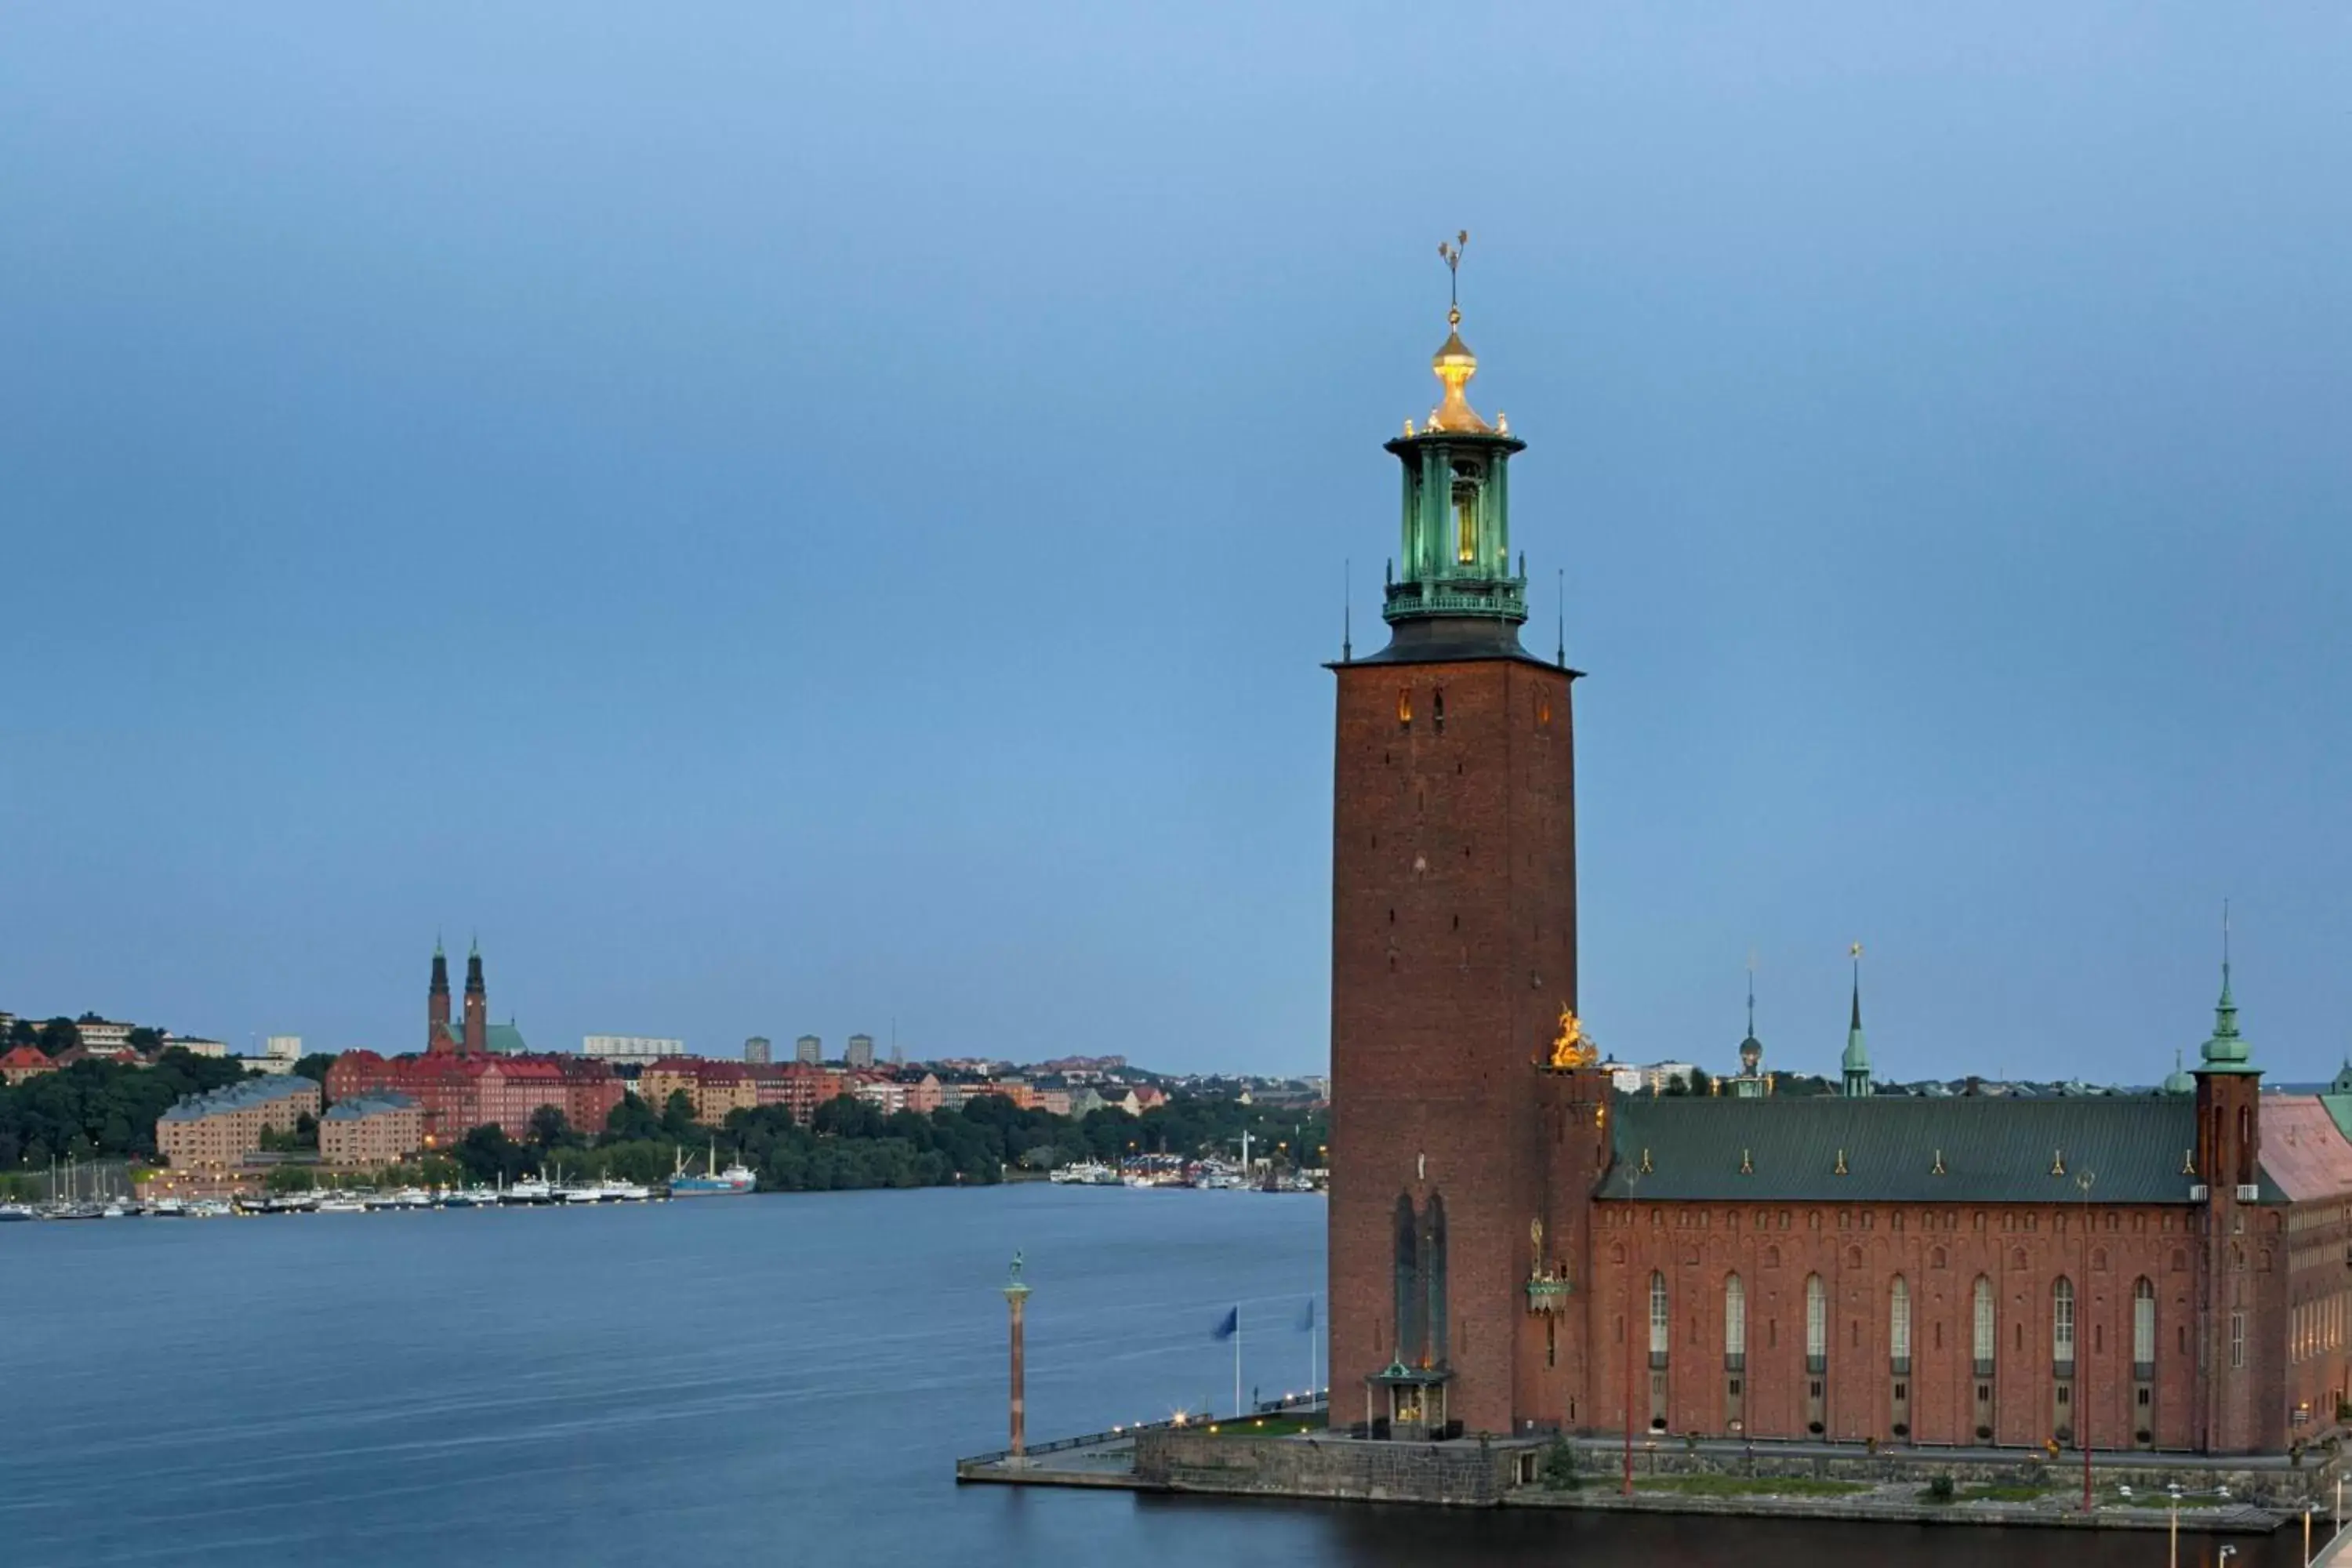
[
  {"x": 2082, "y": 1346},
  {"x": 2174, "y": 1491},
  {"x": 1016, "y": 1301}
]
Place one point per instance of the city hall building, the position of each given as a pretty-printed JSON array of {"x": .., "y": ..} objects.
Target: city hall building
[{"x": 1516, "y": 1246}]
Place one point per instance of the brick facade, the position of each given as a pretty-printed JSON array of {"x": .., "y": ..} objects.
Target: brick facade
[{"x": 1453, "y": 951}]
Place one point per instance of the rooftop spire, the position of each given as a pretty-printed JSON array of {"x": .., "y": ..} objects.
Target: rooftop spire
[
  {"x": 1856, "y": 1062},
  {"x": 2226, "y": 1051}
]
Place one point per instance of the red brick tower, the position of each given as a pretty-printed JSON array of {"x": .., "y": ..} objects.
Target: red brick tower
[
  {"x": 1453, "y": 949},
  {"x": 2243, "y": 1258},
  {"x": 436, "y": 1002},
  {"x": 477, "y": 1006}
]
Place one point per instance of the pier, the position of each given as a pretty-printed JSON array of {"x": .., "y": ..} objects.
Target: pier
[{"x": 1284, "y": 1450}]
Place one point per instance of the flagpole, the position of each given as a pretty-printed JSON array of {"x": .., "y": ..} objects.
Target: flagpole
[{"x": 1237, "y": 1360}]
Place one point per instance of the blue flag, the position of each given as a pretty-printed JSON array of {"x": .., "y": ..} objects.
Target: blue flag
[
  {"x": 1231, "y": 1325},
  {"x": 1307, "y": 1319}
]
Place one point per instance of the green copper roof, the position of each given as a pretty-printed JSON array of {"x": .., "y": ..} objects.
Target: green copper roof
[
  {"x": 505, "y": 1039},
  {"x": 2178, "y": 1080},
  {"x": 1960, "y": 1150},
  {"x": 2227, "y": 1051},
  {"x": 1857, "y": 1055}
]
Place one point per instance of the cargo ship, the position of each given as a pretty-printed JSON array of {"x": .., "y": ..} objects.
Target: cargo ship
[{"x": 714, "y": 1183}]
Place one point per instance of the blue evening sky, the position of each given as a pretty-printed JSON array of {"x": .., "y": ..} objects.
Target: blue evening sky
[{"x": 786, "y": 518}]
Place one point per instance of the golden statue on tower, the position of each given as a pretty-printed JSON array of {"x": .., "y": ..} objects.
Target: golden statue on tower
[{"x": 1573, "y": 1047}]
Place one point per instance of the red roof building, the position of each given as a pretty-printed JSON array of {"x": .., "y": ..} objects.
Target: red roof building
[
  {"x": 459, "y": 1091},
  {"x": 24, "y": 1062}
]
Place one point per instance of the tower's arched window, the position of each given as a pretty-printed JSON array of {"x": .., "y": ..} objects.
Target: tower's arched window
[
  {"x": 2144, "y": 1321},
  {"x": 1898, "y": 1321},
  {"x": 1984, "y": 1337},
  {"x": 1735, "y": 1316},
  {"x": 2061, "y": 1321},
  {"x": 1817, "y": 1320},
  {"x": 1466, "y": 521},
  {"x": 1404, "y": 704},
  {"x": 1660, "y": 1335}
]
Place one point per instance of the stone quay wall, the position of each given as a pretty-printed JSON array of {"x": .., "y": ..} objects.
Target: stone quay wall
[
  {"x": 1468, "y": 1474},
  {"x": 2272, "y": 1484}
]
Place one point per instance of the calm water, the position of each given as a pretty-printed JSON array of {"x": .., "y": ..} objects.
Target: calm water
[{"x": 756, "y": 1380}]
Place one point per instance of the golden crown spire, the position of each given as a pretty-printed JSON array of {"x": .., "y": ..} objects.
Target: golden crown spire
[{"x": 1454, "y": 362}]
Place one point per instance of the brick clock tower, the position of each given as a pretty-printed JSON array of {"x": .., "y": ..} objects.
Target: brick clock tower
[{"x": 1453, "y": 963}]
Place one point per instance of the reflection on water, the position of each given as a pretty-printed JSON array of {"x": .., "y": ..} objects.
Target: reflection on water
[{"x": 735, "y": 1382}]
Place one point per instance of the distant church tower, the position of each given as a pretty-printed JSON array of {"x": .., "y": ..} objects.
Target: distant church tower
[
  {"x": 1453, "y": 949},
  {"x": 436, "y": 1002},
  {"x": 477, "y": 1006}
]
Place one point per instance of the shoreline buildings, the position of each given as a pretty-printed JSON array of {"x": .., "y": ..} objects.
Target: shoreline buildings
[
  {"x": 481, "y": 1075},
  {"x": 1518, "y": 1245}
]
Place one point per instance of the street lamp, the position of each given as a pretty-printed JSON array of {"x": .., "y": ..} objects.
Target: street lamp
[{"x": 2174, "y": 1490}]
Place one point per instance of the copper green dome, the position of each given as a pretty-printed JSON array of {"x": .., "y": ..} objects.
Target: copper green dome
[{"x": 2178, "y": 1080}]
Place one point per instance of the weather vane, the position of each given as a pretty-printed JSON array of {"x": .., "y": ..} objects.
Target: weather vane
[{"x": 1453, "y": 257}]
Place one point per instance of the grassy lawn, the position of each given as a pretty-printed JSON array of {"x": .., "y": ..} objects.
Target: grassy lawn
[
  {"x": 1269, "y": 1426},
  {"x": 1997, "y": 1491},
  {"x": 1747, "y": 1486}
]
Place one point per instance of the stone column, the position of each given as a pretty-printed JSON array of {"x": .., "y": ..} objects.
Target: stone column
[{"x": 1016, "y": 1300}]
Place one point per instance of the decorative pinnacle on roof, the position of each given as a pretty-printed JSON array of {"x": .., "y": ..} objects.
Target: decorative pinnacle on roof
[
  {"x": 1856, "y": 1062},
  {"x": 1751, "y": 1050},
  {"x": 2226, "y": 1051}
]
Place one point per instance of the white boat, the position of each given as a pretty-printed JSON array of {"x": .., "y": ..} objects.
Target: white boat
[
  {"x": 529, "y": 1191},
  {"x": 342, "y": 1203}
]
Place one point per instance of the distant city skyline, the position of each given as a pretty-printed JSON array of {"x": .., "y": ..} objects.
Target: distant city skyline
[{"x": 779, "y": 524}]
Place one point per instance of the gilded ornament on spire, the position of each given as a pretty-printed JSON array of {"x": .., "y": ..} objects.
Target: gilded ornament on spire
[{"x": 1454, "y": 362}]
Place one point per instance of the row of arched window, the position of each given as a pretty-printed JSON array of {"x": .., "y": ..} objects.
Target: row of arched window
[{"x": 1983, "y": 1335}]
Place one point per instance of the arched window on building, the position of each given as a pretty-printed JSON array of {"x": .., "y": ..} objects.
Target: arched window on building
[
  {"x": 2061, "y": 1324},
  {"x": 1983, "y": 1343},
  {"x": 1898, "y": 1324},
  {"x": 1735, "y": 1322},
  {"x": 1660, "y": 1332},
  {"x": 1817, "y": 1323},
  {"x": 2143, "y": 1323}
]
